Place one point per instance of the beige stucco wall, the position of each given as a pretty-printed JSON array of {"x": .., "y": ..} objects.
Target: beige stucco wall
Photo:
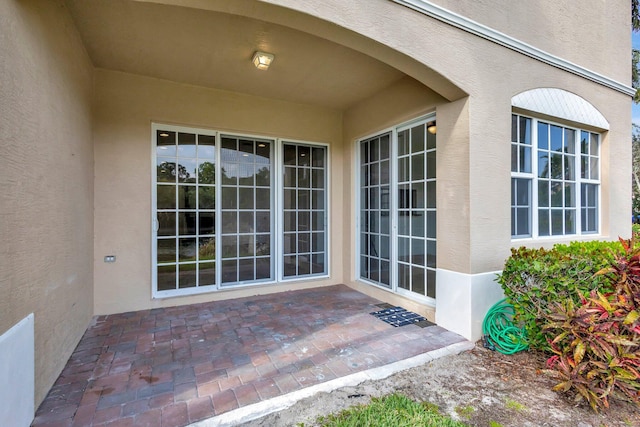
[
  {"x": 475, "y": 235},
  {"x": 126, "y": 105},
  {"x": 474, "y": 130},
  {"x": 489, "y": 181},
  {"x": 56, "y": 216},
  {"x": 577, "y": 32},
  {"x": 489, "y": 157},
  {"x": 46, "y": 201},
  {"x": 401, "y": 102}
]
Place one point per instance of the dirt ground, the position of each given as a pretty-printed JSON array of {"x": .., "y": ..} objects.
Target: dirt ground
[{"x": 477, "y": 387}]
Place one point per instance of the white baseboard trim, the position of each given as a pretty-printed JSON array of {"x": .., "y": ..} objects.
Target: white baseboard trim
[
  {"x": 463, "y": 300},
  {"x": 17, "y": 374}
]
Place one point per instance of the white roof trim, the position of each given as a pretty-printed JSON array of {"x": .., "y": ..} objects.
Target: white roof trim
[
  {"x": 448, "y": 17},
  {"x": 562, "y": 104}
]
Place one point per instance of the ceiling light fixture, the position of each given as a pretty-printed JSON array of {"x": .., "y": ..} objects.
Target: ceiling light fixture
[
  {"x": 431, "y": 128},
  {"x": 262, "y": 60},
  {"x": 164, "y": 134}
]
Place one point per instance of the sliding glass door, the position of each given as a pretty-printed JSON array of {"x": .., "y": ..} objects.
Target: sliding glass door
[
  {"x": 375, "y": 210},
  {"x": 304, "y": 204},
  {"x": 246, "y": 204},
  {"x": 397, "y": 247},
  {"x": 185, "y": 198},
  {"x": 220, "y": 221},
  {"x": 416, "y": 213}
]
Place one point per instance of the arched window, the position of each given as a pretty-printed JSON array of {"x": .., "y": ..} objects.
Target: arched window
[{"x": 555, "y": 164}]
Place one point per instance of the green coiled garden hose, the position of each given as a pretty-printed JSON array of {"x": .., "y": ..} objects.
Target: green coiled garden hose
[{"x": 499, "y": 331}]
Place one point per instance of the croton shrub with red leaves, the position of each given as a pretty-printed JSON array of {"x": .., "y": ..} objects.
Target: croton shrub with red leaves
[{"x": 596, "y": 343}]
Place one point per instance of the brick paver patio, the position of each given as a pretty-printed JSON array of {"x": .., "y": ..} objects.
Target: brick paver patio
[{"x": 175, "y": 366}]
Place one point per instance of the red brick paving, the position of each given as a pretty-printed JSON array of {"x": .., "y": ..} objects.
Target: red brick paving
[{"x": 173, "y": 366}]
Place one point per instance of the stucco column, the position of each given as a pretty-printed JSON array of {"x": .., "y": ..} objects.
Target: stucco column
[
  {"x": 471, "y": 213},
  {"x": 453, "y": 186}
]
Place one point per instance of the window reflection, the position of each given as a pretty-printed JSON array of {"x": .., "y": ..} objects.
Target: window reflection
[
  {"x": 185, "y": 173},
  {"x": 194, "y": 170},
  {"x": 245, "y": 168},
  {"x": 304, "y": 200}
]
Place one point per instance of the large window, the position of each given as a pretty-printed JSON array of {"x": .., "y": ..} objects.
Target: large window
[
  {"x": 304, "y": 207},
  {"x": 554, "y": 179},
  {"x": 375, "y": 209},
  {"x": 416, "y": 178},
  {"x": 245, "y": 207},
  {"x": 185, "y": 210},
  {"x": 215, "y": 210},
  {"x": 397, "y": 219}
]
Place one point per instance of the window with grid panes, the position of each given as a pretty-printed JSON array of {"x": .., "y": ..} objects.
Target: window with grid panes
[
  {"x": 304, "y": 201},
  {"x": 214, "y": 201},
  {"x": 554, "y": 179},
  {"x": 397, "y": 210}
]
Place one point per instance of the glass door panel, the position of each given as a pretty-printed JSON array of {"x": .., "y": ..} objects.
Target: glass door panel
[
  {"x": 416, "y": 213},
  {"x": 304, "y": 237},
  {"x": 185, "y": 210},
  {"x": 214, "y": 202},
  {"x": 375, "y": 209},
  {"x": 246, "y": 222}
]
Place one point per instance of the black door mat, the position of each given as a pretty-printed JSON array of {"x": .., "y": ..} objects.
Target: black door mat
[
  {"x": 425, "y": 323},
  {"x": 398, "y": 316},
  {"x": 384, "y": 305}
]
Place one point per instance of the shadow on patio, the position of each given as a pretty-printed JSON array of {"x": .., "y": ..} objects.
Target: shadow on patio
[{"x": 241, "y": 358}]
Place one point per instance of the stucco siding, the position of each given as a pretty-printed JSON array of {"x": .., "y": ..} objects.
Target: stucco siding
[
  {"x": 580, "y": 33},
  {"x": 126, "y": 105},
  {"x": 489, "y": 175},
  {"x": 404, "y": 101},
  {"x": 77, "y": 143},
  {"x": 455, "y": 66},
  {"x": 492, "y": 75},
  {"x": 46, "y": 202}
]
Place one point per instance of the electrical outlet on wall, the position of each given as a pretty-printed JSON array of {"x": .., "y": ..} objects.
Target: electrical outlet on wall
[{"x": 109, "y": 258}]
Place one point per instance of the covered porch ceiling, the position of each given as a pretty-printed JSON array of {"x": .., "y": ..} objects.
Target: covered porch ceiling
[{"x": 213, "y": 49}]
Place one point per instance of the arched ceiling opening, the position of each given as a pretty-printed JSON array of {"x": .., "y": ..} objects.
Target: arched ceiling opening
[{"x": 210, "y": 44}]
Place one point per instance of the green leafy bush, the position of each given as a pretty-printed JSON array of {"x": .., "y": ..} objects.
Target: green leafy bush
[
  {"x": 533, "y": 280},
  {"x": 597, "y": 342}
]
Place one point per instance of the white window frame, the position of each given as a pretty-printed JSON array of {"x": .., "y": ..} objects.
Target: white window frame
[
  {"x": 393, "y": 203},
  {"x": 534, "y": 179},
  {"x": 276, "y": 217},
  {"x": 592, "y": 181},
  {"x": 218, "y": 210},
  {"x": 280, "y": 209},
  {"x": 392, "y": 131}
]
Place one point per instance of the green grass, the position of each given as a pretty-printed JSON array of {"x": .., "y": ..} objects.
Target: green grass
[
  {"x": 464, "y": 411},
  {"x": 516, "y": 406},
  {"x": 390, "y": 411}
]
